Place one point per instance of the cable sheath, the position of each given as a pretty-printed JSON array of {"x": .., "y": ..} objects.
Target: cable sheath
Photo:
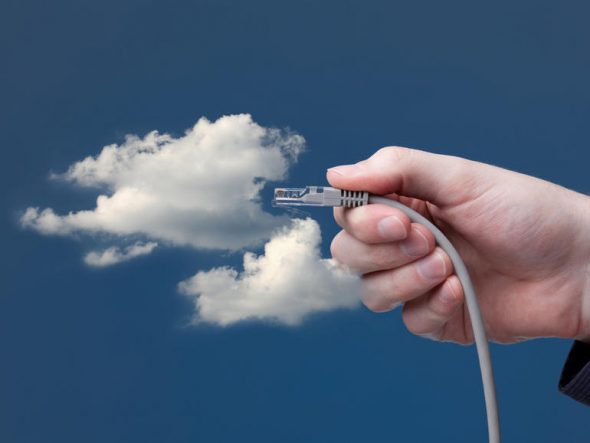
[{"x": 479, "y": 333}]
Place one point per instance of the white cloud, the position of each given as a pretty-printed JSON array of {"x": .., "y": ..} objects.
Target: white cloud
[
  {"x": 289, "y": 281},
  {"x": 114, "y": 255},
  {"x": 201, "y": 189}
]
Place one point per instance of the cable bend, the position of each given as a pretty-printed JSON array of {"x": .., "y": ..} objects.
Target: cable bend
[{"x": 479, "y": 333}]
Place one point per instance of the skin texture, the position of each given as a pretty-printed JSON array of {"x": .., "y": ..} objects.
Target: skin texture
[{"x": 525, "y": 241}]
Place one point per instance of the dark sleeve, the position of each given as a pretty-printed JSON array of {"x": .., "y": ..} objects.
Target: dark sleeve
[{"x": 575, "y": 376}]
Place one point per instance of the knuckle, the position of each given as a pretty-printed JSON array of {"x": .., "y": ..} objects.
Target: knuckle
[
  {"x": 362, "y": 163},
  {"x": 379, "y": 257},
  {"x": 394, "y": 153},
  {"x": 396, "y": 284}
]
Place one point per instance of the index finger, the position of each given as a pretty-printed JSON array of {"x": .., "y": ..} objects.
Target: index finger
[{"x": 373, "y": 223}]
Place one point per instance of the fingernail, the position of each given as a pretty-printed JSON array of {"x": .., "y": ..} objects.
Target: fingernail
[
  {"x": 391, "y": 228},
  {"x": 433, "y": 266},
  {"x": 344, "y": 169},
  {"x": 416, "y": 245}
]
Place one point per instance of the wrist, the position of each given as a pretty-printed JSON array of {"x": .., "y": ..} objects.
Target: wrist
[{"x": 583, "y": 212}]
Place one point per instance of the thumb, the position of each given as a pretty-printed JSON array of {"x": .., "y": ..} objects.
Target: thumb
[{"x": 440, "y": 179}]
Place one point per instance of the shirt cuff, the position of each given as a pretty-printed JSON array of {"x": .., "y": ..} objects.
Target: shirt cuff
[{"x": 575, "y": 376}]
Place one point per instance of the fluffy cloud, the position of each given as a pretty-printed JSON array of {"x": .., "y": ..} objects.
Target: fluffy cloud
[
  {"x": 114, "y": 255},
  {"x": 289, "y": 281},
  {"x": 200, "y": 190}
]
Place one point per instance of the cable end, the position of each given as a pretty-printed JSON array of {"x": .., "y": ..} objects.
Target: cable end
[{"x": 319, "y": 196}]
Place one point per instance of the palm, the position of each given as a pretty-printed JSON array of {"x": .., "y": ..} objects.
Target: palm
[{"x": 518, "y": 252}]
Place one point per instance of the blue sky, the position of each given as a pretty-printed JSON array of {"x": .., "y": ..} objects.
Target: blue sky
[{"x": 104, "y": 355}]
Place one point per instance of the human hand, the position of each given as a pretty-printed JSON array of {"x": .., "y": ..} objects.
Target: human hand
[{"x": 525, "y": 242}]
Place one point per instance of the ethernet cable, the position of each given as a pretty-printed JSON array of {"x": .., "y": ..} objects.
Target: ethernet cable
[{"x": 327, "y": 196}]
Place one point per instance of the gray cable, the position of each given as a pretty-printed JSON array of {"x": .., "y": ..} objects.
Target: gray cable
[
  {"x": 326, "y": 196},
  {"x": 481, "y": 341}
]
